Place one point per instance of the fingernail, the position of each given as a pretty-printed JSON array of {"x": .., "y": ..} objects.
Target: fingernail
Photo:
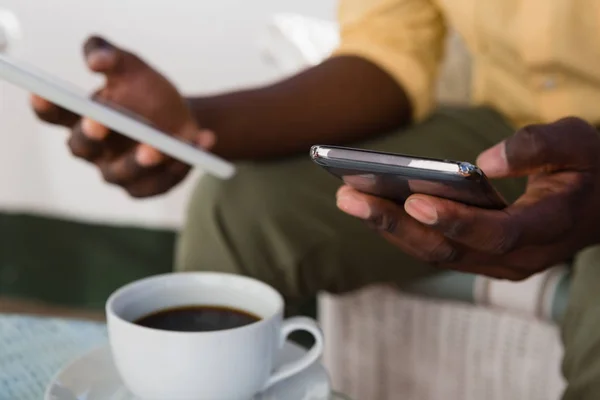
[
  {"x": 95, "y": 43},
  {"x": 493, "y": 160},
  {"x": 147, "y": 156},
  {"x": 40, "y": 104},
  {"x": 93, "y": 130},
  {"x": 206, "y": 139},
  {"x": 100, "y": 57},
  {"x": 422, "y": 211},
  {"x": 103, "y": 43},
  {"x": 353, "y": 205}
]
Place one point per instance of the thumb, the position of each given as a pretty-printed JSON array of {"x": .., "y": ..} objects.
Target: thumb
[
  {"x": 567, "y": 144},
  {"x": 493, "y": 161},
  {"x": 104, "y": 57}
]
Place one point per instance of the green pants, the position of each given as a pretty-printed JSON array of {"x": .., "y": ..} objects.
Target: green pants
[{"x": 277, "y": 221}]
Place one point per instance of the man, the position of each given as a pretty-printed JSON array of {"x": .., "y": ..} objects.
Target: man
[{"x": 276, "y": 220}]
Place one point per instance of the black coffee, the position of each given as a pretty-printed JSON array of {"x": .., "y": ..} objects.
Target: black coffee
[{"x": 197, "y": 319}]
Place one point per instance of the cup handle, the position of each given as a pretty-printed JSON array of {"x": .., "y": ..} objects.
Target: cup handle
[{"x": 292, "y": 368}]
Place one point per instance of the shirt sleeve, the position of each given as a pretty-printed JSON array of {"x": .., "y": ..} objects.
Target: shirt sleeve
[{"x": 405, "y": 38}]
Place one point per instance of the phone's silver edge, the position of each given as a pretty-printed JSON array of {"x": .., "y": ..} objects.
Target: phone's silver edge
[
  {"x": 430, "y": 165},
  {"x": 23, "y": 77},
  {"x": 320, "y": 152},
  {"x": 435, "y": 166}
]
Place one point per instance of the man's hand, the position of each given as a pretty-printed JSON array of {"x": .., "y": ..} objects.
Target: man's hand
[
  {"x": 558, "y": 215},
  {"x": 133, "y": 85}
]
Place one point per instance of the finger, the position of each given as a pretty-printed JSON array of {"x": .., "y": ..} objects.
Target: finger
[
  {"x": 544, "y": 214},
  {"x": 83, "y": 147},
  {"x": 483, "y": 230},
  {"x": 538, "y": 258},
  {"x": 569, "y": 143},
  {"x": 133, "y": 165},
  {"x": 93, "y": 130},
  {"x": 396, "y": 226},
  {"x": 52, "y": 113},
  {"x": 104, "y": 57},
  {"x": 493, "y": 161},
  {"x": 206, "y": 139},
  {"x": 147, "y": 156},
  {"x": 153, "y": 185},
  {"x": 426, "y": 244},
  {"x": 124, "y": 170},
  {"x": 552, "y": 205},
  {"x": 101, "y": 55},
  {"x": 352, "y": 202}
]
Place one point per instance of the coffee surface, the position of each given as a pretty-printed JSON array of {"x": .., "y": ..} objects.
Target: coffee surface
[{"x": 197, "y": 319}]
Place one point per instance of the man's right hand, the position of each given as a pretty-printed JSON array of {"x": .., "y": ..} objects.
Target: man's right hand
[
  {"x": 130, "y": 83},
  {"x": 553, "y": 220}
]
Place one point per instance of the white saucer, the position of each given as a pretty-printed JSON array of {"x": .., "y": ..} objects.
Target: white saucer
[{"x": 94, "y": 377}]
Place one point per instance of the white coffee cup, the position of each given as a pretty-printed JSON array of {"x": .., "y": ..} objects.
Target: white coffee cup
[{"x": 233, "y": 364}]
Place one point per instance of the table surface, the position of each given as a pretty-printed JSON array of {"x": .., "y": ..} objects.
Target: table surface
[{"x": 51, "y": 342}]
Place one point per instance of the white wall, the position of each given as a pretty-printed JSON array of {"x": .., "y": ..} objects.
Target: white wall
[{"x": 204, "y": 46}]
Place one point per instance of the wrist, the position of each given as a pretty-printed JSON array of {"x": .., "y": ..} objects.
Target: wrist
[{"x": 204, "y": 111}]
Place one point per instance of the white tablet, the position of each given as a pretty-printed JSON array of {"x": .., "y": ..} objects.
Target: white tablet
[{"x": 62, "y": 94}]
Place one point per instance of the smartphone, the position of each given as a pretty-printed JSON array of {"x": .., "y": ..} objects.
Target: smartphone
[
  {"x": 64, "y": 95},
  {"x": 395, "y": 176}
]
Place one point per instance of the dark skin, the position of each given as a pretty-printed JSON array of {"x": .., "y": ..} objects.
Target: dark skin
[
  {"x": 318, "y": 105},
  {"x": 343, "y": 100},
  {"x": 557, "y": 216}
]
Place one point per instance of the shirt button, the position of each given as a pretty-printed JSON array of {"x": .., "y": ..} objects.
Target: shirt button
[{"x": 548, "y": 82}]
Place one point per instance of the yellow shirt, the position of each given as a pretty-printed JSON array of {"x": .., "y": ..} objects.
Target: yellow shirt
[{"x": 533, "y": 60}]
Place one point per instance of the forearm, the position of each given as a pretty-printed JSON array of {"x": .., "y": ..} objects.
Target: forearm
[{"x": 341, "y": 100}]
